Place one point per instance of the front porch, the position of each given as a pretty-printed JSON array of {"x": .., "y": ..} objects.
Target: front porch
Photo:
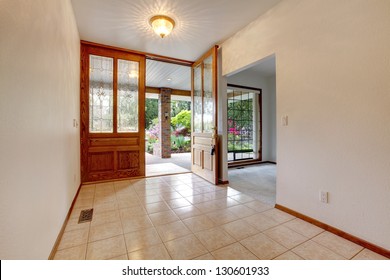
[{"x": 177, "y": 163}]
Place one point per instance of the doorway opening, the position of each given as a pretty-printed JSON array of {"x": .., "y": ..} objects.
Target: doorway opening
[
  {"x": 244, "y": 124},
  {"x": 252, "y": 152},
  {"x": 167, "y": 118}
]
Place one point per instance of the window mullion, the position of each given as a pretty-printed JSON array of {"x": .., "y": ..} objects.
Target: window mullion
[{"x": 115, "y": 97}]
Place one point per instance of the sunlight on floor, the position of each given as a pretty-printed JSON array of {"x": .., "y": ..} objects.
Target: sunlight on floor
[{"x": 164, "y": 169}]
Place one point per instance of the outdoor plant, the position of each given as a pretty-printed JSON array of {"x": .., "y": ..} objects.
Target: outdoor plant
[
  {"x": 182, "y": 120},
  {"x": 154, "y": 130},
  {"x": 180, "y": 144},
  {"x": 180, "y": 128}
]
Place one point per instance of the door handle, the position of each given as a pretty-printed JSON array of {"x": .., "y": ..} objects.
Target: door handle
[{"x": 212, "y": 151}]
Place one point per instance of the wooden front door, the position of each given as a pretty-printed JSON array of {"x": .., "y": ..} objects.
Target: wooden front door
[
  {"x": 204, "y": 117},
  {"x": 112, "y": 113}
]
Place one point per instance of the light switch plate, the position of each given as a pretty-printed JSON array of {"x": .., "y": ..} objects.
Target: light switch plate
[{"x": 285, "y": 120}]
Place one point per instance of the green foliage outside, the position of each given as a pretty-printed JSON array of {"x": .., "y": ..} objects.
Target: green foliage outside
[
  {"x": 180, "y": 144},
  {"x": 180, "y": 125},
  {"x": 240, "y": 125},
  {"x": 178, "y": 106},
  {"x": 151, "y": 111},
  {"x": 181, "y": 131},
  {"x": 182, "y": 119}
]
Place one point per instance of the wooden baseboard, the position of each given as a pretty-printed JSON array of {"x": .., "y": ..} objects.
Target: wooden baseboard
[
  {"x": 223, "y": 182},
  {"x": 247, "y": 162},
  {"x": 61, "y": 233},
  {"x": 113, "y": 180},
  {"x": 343, "y": 234}
]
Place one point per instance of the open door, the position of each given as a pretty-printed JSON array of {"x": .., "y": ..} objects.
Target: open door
[
  {"x": 112, "y": 107},
  {"x": 204, "y": 117}
]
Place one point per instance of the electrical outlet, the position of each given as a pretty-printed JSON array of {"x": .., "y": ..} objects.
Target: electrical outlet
[{"x": 324, "y": 197}]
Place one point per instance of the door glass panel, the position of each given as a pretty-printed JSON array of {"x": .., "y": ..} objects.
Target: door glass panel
[
  {"x": 208, "y": 109},
  {"x": 100, "y": 94},
  {"x": 240, "y": 124},
  {"x": 198, "y": 99},
  {"x": 127, "y": 96}
]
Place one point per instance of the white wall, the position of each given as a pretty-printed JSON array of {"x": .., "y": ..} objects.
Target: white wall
[
  {"x": 269, "y": 110},
  {"x": 222, "y": 122},
  {"x": 254, "y": 79},
  {"x": 333, "y": 69},
  {"x": 39, "y": 147}
]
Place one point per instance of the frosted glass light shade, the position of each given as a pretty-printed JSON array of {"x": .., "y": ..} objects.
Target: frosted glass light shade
[{"x": 162, "y": 25}]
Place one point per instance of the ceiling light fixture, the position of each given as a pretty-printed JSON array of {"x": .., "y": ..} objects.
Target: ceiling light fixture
[{"x": 162, "y": 25}]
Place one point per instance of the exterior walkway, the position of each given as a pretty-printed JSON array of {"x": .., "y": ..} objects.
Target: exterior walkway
[{"x": 178, "y": 163}]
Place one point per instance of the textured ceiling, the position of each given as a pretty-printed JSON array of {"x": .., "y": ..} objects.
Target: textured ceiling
[
  {"x": 161, "y": 74},
  {"x": 200, "y": 24}
]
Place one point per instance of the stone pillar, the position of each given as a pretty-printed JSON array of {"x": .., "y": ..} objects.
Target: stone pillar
[{"x": 164, "y": 117}]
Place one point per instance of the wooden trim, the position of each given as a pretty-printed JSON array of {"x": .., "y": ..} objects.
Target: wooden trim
[
  {"x": 61, "y": 233},
  {"x": 243, "y": 162},
  {"x": 343, "y": 234},
  {"x": 113, "y": 180},
  {"x": 248, "y": 162},
  {"x": 214, "y": 54},
  {"x": 261, "y": 125},
  {"x": 152, "y": 90},
  {"x": 84, "y": 112},
  {"x": 206, "y": 55},
  {"x": 141, "y": 112},
  {"x": 244, "y": 87},
  {"x": 147, "y": 55},
  {"x": 168, "y": 59},
  {"x": 173, "y": 91},
  {"x": 181, "y": 92},
  {"x": 115, "y": 98},
  {"x": 202, "y": 95},
  {"x": 223, "y": 182},
  {"x": 192, "y": 115}
]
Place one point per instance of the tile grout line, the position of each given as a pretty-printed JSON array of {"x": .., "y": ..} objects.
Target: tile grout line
[
  {"x": 123, "y": 231},
  {"x": 89, "y": 227},
  {"x": 357, "y": 253},
  {"x": 202, "y": 190}
]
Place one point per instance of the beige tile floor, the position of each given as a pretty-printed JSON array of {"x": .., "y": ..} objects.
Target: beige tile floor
[{"x": 184, "y": 217}]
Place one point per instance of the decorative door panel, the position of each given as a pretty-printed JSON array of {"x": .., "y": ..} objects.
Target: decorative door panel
[
  {"x": 204, "y": 117},
  {"x": 112, "y": 114},
  {"x": 197, "y": 157}
]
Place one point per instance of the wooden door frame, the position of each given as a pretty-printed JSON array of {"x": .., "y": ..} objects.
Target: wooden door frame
[{"x": 106, "y": 51}]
